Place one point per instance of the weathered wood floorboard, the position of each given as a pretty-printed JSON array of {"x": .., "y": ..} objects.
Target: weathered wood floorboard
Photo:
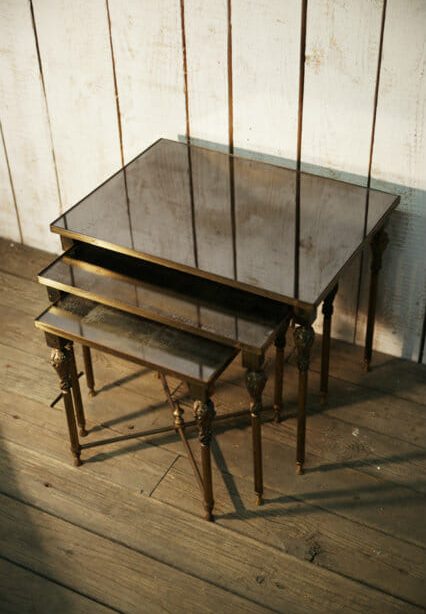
[
  {"x": 251, "y": 568},
  {"x": 391, "y": 375},
  {"x": 137, "y": 465},
  {"x": 294, "y": 538},
  {"x": 51, "y": 433},
  {"x": 306, "y": 531},
  {"x": 21, "y": 260},
  {"x": 102, "y": 568},
  {"x": 24, "y": 592},
  {"x": 30, "y": 424},
  {"x": 372, "y": 491},
  {"x": 345, "y": 456}
]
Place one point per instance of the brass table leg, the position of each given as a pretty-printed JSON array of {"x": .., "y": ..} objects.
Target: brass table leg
[
  {"x": 76, "y": 393},
  {"x": 378, "y": 246},
  {"x": 303, "y": 340},
  {"x": 255, "y": 382},
  {"x": 279, "y": 372},
  {"x": 87, "y": 357},
  {"x": 204, "y": 413},
  {"x": 327, "y": 310},
  {"x": 61, "y": 362}
]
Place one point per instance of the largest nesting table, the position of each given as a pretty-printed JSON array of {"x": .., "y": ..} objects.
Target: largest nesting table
[{"x": 246, "y": 224}]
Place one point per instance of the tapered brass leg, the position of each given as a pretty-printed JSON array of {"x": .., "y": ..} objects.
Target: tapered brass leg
[
  {"x": 378, "y": 246},
  {"x": 327, "y": 310},
  {"x": 255, "y": 382},
  {"x": 76, "y": 393},
  {"x": 279, "y": 372},
  {"x": 90, "y": 380},
  {"x": 61, "y": 362},
  {"x": 204, "y": 412},
  {"x": 303, "y": 340}
]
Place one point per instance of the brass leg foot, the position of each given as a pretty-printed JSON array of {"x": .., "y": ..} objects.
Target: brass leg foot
[
  {"x": 88, "y": 367},
  {"x": 277, "y": 415},
  {"x": 77, "y": 461},
  {"x": 204, "y": 412},
  {"x": 299, "y": 469},
  {"x": 259, "y": 500},
  {"x": 255, "y": 382},
  {"x": 303, "y": 340}
]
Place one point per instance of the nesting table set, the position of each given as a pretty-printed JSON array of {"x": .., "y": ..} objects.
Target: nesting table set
[{"x": 186, "y": 258}]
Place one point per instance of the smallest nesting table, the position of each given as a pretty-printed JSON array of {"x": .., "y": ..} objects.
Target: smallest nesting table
[{"x": 197, "y": 362}]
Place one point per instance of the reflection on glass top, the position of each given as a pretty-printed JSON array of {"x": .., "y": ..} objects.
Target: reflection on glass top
[
  {"x": 230, "y": 218},
  {"x": 151, "y": 343}
]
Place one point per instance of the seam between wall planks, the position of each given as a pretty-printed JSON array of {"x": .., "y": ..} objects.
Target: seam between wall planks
[
  {"x": 40, "y": 67},
  {"x": 185, "y": 70},
  {"x": 119, "y": 123},
  {"x": 12, "y": 187},
  {"x": 370, "y": 159},
  {"x": 114, "y": 76},
  {"x": 230, "y": 79},
  {"x": 188, "y": 128},
  {"x": 376, "y": 99},
  {"x": 231, "y": 133},
  {"x": 302, "y": 60}
]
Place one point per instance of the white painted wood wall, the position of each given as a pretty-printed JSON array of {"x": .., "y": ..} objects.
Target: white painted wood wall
[{"x": 87, "y": 84}]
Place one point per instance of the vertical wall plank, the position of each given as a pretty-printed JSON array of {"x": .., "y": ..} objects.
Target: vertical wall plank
[
  {"x": 206, "y": 26},
  {"x": 266, "y": 39},
  {"x": 147, "y": 45},
  {"x": 206, "y": 38},
  {"x": 341, "y": 63},
  {"x": 9, "y": 225},
  {"x": 76, "y": 61},
  {"x": 399, "y": 165},
  {"x": 25, "y": 126}
]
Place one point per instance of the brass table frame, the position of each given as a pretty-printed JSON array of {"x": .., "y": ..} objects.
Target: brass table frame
[{"x": 304, "y": 313}]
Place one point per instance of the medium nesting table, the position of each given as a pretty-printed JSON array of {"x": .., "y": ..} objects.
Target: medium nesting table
[{"x": 197, "y": 309}]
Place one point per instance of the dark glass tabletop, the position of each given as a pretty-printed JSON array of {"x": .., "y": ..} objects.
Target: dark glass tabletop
[
  {"x": 249, "y": 224},
  {"x": 135, "y": 338}
]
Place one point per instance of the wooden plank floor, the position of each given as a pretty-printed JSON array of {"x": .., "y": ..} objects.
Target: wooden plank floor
[{"x": 124, "y": 532}]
